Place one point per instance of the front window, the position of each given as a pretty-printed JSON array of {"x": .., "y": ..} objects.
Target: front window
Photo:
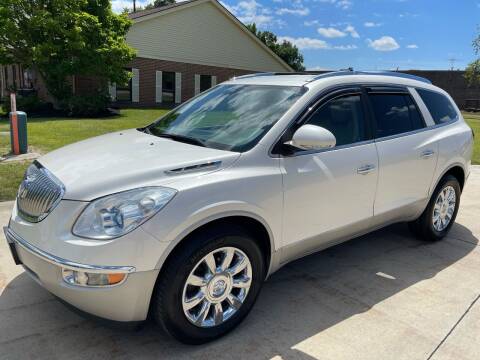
[{"x": 229, "y": 117}]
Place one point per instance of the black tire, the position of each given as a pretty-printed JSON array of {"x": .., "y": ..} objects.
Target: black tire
[
  {"x": 166, "y": 303},
  {"x": 423, "y": 226}
]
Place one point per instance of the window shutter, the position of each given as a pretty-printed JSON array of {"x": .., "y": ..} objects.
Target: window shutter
[
  {"x": 197, "y": 84},
  {"x": 112, "y": 90},
  {"x": 214, "y": 81},
  {"x": 136, "y": 85},
  {"x": 178, "y": 88},
  {"x": 158, "y": 86}
]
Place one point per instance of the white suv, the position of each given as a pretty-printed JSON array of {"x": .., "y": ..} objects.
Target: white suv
[{"x": 184, "y": 219}]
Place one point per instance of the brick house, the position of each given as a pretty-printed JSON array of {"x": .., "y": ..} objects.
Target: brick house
[{"x": 184, "y": 49}]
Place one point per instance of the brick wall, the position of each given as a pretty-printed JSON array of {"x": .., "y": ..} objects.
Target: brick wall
[{"x": 148, "y": 67}]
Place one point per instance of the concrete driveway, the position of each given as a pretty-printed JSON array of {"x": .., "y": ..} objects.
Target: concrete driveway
[{"x": 381, "y": 296}]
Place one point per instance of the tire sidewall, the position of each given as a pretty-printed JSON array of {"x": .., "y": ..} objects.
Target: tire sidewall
[
  {"x": 447, "y": 181},
  {"x": 173, "y": 318}
]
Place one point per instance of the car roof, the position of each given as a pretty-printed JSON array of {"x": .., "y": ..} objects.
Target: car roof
[{"x": 302, "y": 79}]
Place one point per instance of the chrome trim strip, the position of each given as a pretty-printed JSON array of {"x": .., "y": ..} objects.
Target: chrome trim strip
[
  {"x": 192, "y": 168},
  {"x": 12, "y": 237}
]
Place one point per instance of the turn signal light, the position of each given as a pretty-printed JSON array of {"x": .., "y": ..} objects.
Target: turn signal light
[{"x": 81, "y": 278}]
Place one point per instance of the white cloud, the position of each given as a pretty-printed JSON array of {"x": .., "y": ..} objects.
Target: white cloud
[
  {"x": 331, "y": 32},
  {"x": 412, "y": 46},
  {"x": 351, "y": 30},
  {"x": 304, "y": 43},
  {"x": 299, "y": 11},
  {"x": 342, "y": 4},
  {"x": 317, "y": 68},
  {"x": 311, "y": 22},
  {"x": 371, "y": 24},
  {"x": 385, "y": 43},
  {"x": 250, "y": 11}
]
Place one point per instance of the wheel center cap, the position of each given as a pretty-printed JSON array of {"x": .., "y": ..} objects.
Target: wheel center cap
[{"x": 218, "y": 288}]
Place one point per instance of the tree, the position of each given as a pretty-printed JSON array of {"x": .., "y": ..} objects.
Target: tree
[
  {"x": 472, "y": 72},
  {"x": 61, "y": 38},
  {"x": 159, "y": 3},
  {"x": 287, "y": 51}
]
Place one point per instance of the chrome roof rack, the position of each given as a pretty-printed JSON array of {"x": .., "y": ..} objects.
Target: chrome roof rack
[{"x": 380, "y": 73}]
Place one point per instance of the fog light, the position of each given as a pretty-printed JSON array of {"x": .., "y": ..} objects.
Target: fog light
[{"x": 91, "y": 279}]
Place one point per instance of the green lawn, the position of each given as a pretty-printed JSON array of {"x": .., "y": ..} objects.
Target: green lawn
[
  {"x": 47, "y": 134},
  {"x": 473, "y": 119}
]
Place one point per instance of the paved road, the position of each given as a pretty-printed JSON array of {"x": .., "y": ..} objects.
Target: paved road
[{"x": 382, "y": 296}]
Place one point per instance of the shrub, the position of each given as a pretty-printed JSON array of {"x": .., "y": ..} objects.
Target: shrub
[
  {"x": 86, "y": 105},
  {"x": 30, "y": 104}
]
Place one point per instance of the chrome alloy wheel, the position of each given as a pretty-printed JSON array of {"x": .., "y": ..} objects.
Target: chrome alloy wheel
[
  {"x": 444, "y": 208},
  {"x": 217, "y": 287}
]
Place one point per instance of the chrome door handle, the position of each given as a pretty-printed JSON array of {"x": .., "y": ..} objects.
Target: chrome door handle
[
  {"x": 365, "y": 169},
  {"x": 427, "y": 154}
]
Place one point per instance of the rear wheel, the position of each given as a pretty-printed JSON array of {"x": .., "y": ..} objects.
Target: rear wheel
[
  {"x": 440, "y": 214},
  {"x": 210, "y": 285}
]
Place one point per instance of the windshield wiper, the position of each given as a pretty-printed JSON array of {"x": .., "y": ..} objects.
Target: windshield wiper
[{"x": 182, "y": 138}]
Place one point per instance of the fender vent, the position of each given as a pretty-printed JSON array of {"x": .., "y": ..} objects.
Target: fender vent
[{"x": 192, "y": 168}]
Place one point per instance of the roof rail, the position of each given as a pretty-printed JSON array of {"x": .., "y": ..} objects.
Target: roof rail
[
  {"x": 380, "y": 73},
  {"x": 253, "y": 75}
]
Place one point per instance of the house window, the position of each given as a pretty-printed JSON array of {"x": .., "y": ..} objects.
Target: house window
[
  {"x": 205, "y": 82},
  {"x": 124, "y": 91},
  {"x": 168, "y": 87}
]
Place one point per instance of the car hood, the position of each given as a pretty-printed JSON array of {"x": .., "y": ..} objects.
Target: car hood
[{"x": 129, "y": 159}]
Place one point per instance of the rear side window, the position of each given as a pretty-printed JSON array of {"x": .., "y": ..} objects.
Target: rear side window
[
  {"x": 440, "y": 107},
  {"x": 395, "y": 114}
]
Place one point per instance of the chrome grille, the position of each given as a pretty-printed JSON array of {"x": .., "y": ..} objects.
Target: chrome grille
[{"x": 38, "y": 194}]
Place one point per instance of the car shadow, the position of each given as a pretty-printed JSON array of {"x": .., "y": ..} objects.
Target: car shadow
[{"x": 301, "y": 300}]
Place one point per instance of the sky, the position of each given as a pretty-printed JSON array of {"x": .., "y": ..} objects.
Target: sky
[{"x": 366, "y": 34}]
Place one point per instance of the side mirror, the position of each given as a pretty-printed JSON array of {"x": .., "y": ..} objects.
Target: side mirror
[{"x": 312, "y": 137}]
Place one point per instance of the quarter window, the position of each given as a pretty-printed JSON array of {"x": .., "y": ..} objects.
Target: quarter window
[
  {"x": 440, "y": 107},
  {"x": 395, "y": 114},
  {"x": 343, "y": 117}
]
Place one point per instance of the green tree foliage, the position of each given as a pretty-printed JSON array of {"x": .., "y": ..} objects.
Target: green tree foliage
[
  {"x": 285, "y": 49},
  {"x": 61, "y": 38},
  {"x": 472, "y": 72},
  {"x": 159, "y": 3}
]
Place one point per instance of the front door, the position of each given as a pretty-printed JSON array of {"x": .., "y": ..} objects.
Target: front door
[{"x": 329, "y": 194}]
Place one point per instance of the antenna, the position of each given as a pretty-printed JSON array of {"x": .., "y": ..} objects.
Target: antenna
[{"x": 452, "y": 61}]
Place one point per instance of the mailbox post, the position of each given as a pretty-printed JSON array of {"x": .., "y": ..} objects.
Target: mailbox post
[{"x": 18, "y": 128}]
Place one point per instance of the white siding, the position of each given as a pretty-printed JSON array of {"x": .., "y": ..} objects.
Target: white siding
[
  {"x": 197, "y": 84},
  {"x": 158, "y": 86},
  {"x": 135, "y": 85},
  {"x": 200, "y": 34},
  {"x": 178, "y": 88}
]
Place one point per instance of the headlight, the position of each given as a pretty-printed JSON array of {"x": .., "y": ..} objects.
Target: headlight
[{"x": 118, "y": 214}]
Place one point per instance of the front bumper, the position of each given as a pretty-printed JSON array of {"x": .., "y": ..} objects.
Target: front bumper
[{"x": 127, "y": 301}]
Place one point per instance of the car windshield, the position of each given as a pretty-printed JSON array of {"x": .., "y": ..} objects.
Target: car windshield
[{"x": 228, "y": 117}]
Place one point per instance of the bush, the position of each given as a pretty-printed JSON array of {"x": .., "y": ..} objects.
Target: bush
[
  {"x": 94, "y": 105},
  {"x": 30, "y": 104}
]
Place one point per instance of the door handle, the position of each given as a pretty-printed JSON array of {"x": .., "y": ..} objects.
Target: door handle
[
  {"x": 365, "y": 169},
  {"x": 427, "y": 154}
]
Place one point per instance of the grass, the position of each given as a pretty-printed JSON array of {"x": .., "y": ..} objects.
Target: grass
[
  {"x": 47, "y": 134},
  {"x": 473, "y": 119}
]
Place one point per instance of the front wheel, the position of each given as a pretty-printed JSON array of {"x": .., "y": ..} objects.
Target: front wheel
[
  {"x": 441, "y": 211},
  {"x": 210, "y": 285}
]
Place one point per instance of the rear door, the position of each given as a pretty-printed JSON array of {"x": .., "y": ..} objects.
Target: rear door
[{"x": 407, "y": 153}]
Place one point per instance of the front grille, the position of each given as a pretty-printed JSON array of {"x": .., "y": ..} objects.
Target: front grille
[{"x": 38, "y": 194}]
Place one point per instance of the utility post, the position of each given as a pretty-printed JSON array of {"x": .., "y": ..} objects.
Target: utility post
[{"x": 18, "y": 128}]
